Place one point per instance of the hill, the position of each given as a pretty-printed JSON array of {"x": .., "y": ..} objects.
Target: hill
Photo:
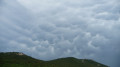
[{"x": 17, "y": 59}]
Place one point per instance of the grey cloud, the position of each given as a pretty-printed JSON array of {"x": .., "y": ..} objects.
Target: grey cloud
[{"x": 53, "y": 29}]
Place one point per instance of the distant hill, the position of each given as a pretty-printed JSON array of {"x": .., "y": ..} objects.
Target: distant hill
[{"x": 17, "y": 59}]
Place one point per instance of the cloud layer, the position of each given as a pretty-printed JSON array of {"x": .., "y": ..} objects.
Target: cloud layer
[{"x": 52, "y": 29}]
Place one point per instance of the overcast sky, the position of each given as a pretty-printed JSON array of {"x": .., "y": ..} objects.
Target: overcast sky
[{"x": 50, "y": 29}]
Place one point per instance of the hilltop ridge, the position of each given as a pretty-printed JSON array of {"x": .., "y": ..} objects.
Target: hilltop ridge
[{"x": 18, "y": 59}]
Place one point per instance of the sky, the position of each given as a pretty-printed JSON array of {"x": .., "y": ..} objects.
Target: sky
[{"x": 50, "y": 29}]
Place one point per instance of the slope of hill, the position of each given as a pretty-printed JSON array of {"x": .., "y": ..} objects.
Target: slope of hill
[{"x": 17, "y": 59}]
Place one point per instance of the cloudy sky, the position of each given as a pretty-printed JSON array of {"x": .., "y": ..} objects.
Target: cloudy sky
[{"x": 50, "y": 29}]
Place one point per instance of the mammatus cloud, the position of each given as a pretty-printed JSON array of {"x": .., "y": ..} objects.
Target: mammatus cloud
[{"x": 52, "y": 29}]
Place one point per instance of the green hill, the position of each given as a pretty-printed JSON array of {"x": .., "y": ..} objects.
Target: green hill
[{"x": 17, "y": 59}]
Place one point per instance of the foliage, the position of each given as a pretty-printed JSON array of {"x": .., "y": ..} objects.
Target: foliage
[{"x": 13, "y": 59}]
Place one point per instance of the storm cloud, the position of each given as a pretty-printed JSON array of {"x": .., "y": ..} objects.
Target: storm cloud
[{"x": 50, "y": 29}]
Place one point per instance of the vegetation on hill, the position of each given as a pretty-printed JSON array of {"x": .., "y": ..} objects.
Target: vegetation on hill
[{"x": 17, "y": 59}]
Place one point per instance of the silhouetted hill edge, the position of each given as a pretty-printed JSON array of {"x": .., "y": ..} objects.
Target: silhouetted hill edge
[{"x": 18, "y": 59}]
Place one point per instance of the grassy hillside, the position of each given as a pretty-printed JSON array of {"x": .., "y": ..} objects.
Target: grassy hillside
[{"x": 16, "y": 59}]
